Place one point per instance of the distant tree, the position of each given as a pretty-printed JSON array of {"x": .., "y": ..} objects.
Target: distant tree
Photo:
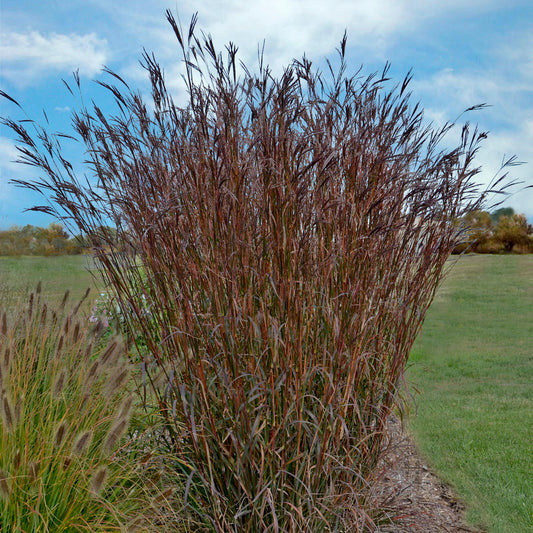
[
  {"x": 478, "y": 226},
  {"x": 501, "y": 212},
  {"x": 512, "y": 231},
  {"x": 35, "y": 240}
]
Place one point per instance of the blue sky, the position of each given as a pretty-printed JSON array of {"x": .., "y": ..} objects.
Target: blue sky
[{"x": 462, "y": 52}]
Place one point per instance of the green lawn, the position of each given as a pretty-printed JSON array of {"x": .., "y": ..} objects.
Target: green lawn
[
  {"x": 473, "y": 365},
  {"x": 20, "y": 275}
]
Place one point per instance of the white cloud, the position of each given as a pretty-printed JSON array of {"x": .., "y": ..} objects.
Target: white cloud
[
  {"x": 292, "y": 27},
  {"x": 504, "y": 144},
  {"x": 8, "y": 156},
  {"x": 505, "y": 82},
  {"x": 8, "y": 169},
  {"x": 27, "y": 57}
]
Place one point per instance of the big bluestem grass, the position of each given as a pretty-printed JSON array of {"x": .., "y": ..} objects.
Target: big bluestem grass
[
  {"x": 286, "y": 235},
  {"x": 64, "y": 465}
]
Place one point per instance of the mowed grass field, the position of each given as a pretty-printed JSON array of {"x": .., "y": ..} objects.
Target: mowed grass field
[
  {"x": 473, "y": 366},
  {"x": 20, "y": 275}
]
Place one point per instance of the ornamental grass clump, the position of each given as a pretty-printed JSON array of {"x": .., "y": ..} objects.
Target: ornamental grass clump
[
  {"x": 276, "y": 243},
  {"x": 64, "y": 466}
]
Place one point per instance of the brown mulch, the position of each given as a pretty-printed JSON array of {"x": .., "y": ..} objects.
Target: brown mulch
[{"x": 415, "y": 499}]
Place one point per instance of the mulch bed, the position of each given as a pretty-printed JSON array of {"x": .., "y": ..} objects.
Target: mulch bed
[{"x": 415, "y": 499}]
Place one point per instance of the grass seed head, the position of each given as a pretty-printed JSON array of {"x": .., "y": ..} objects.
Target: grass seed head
[
  {"x": 59, "y": 384},
  {"x": 98, "y": 480},
  {"x": 61, "y": 432},
  {"x": 64, "y": 300},
  {"x": 44, "y": 313},
  {"x": 7, "y": 412},
  {"x": 82, "y": 442},
  {"x": 117, "y": 379},
  {"x": 162, "y": 498},
  {"x": 76, "y": 332},
  {"x": 30, "y": 305},
  {"x": 17, "y": 459},
  {"x": 18, "y": 411},
  {"x": 110, "y": 353},
  {"x": 89, "y": 350},
  {"x": 4, "y": 484},
  {"x": 33, "y": 470},
  {"x": 115, "y": 433},
  {"x": 60, "y": 343},
  {"x": 7, "y": 358},
  {"x": 125, "y": 407}
]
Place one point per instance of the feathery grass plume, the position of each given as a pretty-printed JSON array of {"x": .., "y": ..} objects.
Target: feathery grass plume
[
  {"x": 80, "y": 302},
  {"x": 44, "y": 312},
  {"x": 110, "y": 354},
  {"x": 4, "y": 324},
  {"x": 66, "y": 325},
  {"x": 60, "y": 343},
  {"x": 116, "y": 432},
  {"x": 58, "y": 445},
  {"x": 287, "y": 235},
  {"x": 117, "y": 378},
  {"x": 60, "y": 434},
  {"x": 125, "y": 407},
  {"x": 76, "y": 332},
  {"x": 7, "y": 412},
  {"x": 88, "y": 351},
  {"x": 7, "y": 358},
  {"x": 4, "y": 484},
  {"x": 93, "y": 371},
  {"x": 82, "y": 442},
  {"x": 17, "y": 459},
  {"x": 33, "y": 470},
  {"x": 64, "y": 300},
  {"x": 59, "y": 384},
  {"x": 98, "y": 480}
]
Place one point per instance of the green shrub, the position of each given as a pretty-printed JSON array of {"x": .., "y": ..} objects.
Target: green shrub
[
  {"x": 286, "y": 236},
  {"x": 65, "y": 410}
]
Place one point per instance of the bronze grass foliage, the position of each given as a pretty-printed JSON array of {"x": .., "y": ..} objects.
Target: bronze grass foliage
[{"x": 276, "y": 243}]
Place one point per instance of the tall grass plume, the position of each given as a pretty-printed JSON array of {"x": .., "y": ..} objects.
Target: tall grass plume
[{"x": 275, "y": 245}]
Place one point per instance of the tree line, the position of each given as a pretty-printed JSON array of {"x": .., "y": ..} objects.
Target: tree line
[
  {"x": 502, "y": 231},
  {"x": 35, "y": 240}
]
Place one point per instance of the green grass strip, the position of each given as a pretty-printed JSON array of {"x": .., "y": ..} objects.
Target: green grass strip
[
  {"x": 19, "y": 276},
  {"x": 473, "y": 366}
]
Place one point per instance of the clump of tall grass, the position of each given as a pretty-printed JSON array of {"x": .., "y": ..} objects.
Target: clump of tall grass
[
  {"x": 65, "y": 410},
  {"x": 286, "y": 235}
]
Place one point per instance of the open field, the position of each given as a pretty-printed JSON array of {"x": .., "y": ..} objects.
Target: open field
[
  {"x": 473, "y": 365},
  {"x": 20, "y": 275}
]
